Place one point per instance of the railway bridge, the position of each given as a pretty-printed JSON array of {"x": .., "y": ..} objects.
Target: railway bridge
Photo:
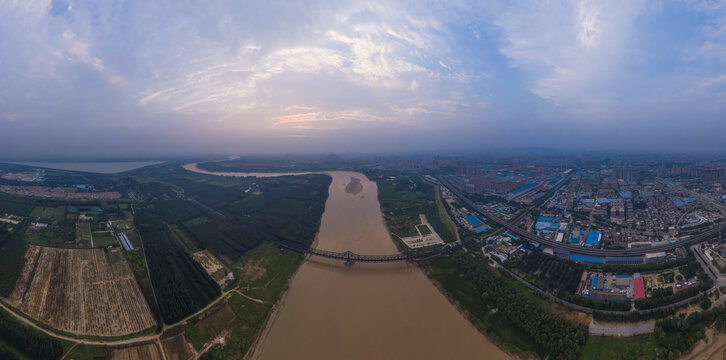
[{"x": 350, "y": 257}]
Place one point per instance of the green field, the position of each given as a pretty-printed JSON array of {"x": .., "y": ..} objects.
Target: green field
[
  {"x": 48, "y": 214},
  {"x": 191, "y": 334},
  {"x": 263, "y": 271},
  {"x": 103, "y": 238},
  {"x": 123, "y": 225},
  {"x": 607, "y": 348},
  {"x": 61, "y": 229},
  {"x": 133, "y": 238},
  {"x": 87, "y": 352},
  {"x": 424, "y": 229},
  {"x": 207, "y": 328},
  {"x": 83, "y": 234},
  {"x": 60, "y": 234}
]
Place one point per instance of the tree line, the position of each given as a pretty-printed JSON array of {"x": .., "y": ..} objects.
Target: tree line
[
  {"x": 12, "y": 258},
  {"x": 181, "y": 285},
  {"x": 557, "y": 276},
  {"x": 552, "y": 333},
  {"x": 33, "y": 343},
  {"x": 677, "y": 335}
]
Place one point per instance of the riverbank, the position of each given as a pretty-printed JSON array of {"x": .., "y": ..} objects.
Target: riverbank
[{"x": 193, "y": 167}]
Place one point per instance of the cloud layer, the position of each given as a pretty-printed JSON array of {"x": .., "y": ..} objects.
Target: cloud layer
[{"x": 168, "y": 77}]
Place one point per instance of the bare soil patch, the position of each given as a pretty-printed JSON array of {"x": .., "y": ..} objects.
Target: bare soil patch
[
  {"x": 81, "y": 291},
  {"x": 213, "y": 266},
  {"x": 147, "y": 351}
]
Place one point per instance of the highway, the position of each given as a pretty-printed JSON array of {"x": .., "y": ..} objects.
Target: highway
[{"x": 579, "y": 250}]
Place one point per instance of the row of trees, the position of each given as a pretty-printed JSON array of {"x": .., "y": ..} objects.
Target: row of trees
[
  {"x": 549, "y": 272},
  {"x": 664, "y": 299},
  {"x": 7, "y": 354},
  {"x": 33, "y": 343},
  {"x": 552, "y": 333},
  {"x": 181, "y": 285},
  {"x": 220, "y": 238},
  {"x": 597, "y": 304},
  {"x": 12, "y": 258},
  {"x": 634, "y": 316},
  {"x": 642, "y": 268}
]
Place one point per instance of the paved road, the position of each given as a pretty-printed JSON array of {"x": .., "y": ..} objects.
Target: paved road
[{"x": 718, "y": 279}]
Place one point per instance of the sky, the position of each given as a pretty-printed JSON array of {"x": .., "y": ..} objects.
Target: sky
[{"x": 136, "y": 78}]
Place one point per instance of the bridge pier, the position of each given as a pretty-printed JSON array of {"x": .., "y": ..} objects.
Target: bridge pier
[{"x": 349, "y": 258}]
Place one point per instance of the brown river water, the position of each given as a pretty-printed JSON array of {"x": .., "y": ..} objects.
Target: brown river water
[{"x": 365, "y": 311}]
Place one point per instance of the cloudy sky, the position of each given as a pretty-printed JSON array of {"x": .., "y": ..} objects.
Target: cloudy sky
[{"x": 168, "y": 77}]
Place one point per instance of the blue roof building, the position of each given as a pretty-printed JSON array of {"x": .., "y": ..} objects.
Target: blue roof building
[
  {"x": 473, "y": 221},
  {"x": 587, "y": 258},
  {"x": 593, "y": 238}
]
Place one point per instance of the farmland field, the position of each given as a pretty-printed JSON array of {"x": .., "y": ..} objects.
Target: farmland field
[
  {"x": 211, "y": 326},
  {"x": 59, "y": 231},
  {"x": 81, "y": 291},
  {"x": 83, "y": 234},
  {"x": 177, "y": 348},
  {"x": 47, "y": 214},
  {"x": 104, "y": 238},
  {"x": 147, "y": 351},
  {"x": 133, "y": 238}
]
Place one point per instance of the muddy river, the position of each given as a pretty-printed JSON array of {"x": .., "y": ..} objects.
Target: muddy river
[{"x": 365, "y": 312}]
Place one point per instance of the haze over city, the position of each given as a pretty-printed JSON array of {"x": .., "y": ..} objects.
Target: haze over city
[{"x": 169, "y": 77}]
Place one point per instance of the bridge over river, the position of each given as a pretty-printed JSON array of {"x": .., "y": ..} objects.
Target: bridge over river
[{"x": 351, "y": 257}]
